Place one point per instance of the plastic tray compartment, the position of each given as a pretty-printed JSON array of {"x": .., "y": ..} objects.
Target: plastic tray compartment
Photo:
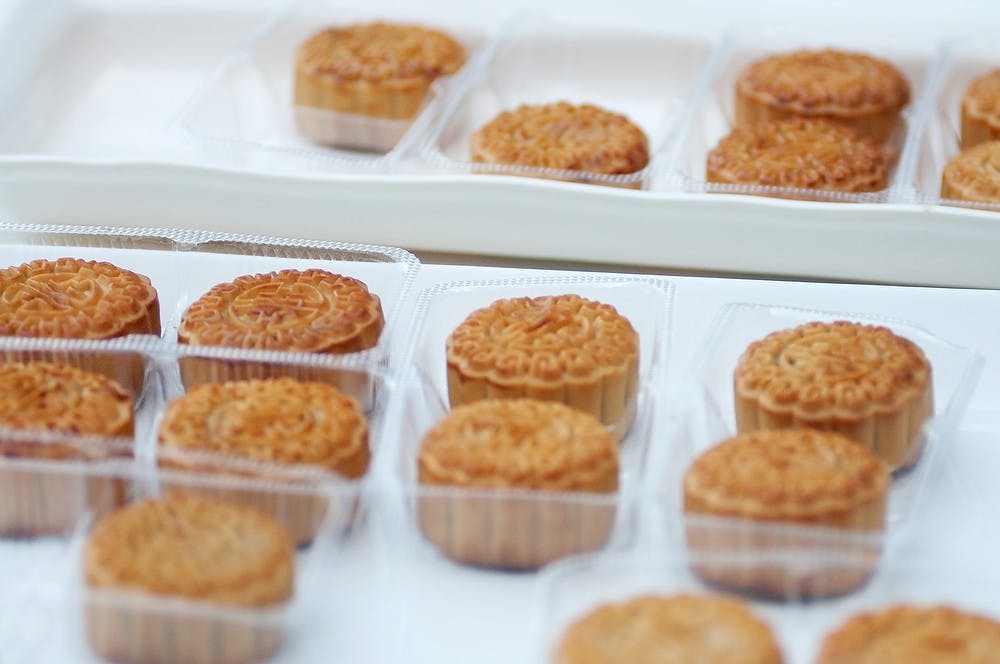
[
  {"x": 212, "y": 258},
  {"x": 468, "y": 524},
  {"x": 574, "y": 588},
  {"x": 183, "y": 265},
  {"x": 48, "y": 479},
  {"x": 941, "y": 136},
  {"x": 644, "y": 76},
  {"x": 294, "y": 502},
  {"x": 248, "y": 105},
  {"x": 712, "y": 113},
  {"x": 711, "y": 419},
  {"x": 955, "y": 370},
  {"x": 134, "y": 625}
]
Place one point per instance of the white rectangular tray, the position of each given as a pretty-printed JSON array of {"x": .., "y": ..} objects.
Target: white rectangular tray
[{"x": 92, "y": 90}]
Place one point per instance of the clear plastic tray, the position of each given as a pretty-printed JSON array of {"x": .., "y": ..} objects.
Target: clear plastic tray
[
  {"x": 710, "y": 116},
  {"x": 712, "y": 416},
  {"x": 183, "y": 265},
  {"x": 248, "y": 104},
  {"x": 941, "y": 132},
  {"x": 557, "y": 524},
  {"x": 542, "y": 60},
  {"x": 175, "y": 629},
  {"x": 571, "y": 589}
]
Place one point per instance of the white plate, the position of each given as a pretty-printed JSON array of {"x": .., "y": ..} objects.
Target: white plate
[{"x": 92, "y": 89}]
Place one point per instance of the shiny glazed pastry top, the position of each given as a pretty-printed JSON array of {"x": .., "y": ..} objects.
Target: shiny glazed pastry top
[
  {"x": 281, "y": 421},
  {"x": 519, "y": 444},
  {"x": 562, "y": 136},
  {"x": 308, "y": 310},
  {"x": 190, "y": 547},
  {"x": 76, "y": 298}
]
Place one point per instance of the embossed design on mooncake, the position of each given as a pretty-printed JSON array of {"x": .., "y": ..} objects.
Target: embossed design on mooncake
[
  {"x": 858, "y": 380},
  {"x": 974, "y": 174},
  {"x": 311, "y": 310},
  {"x": 558, "y": 348},
  {"x": 852, "y": 89},
  {"x": 75, "y": 298}
]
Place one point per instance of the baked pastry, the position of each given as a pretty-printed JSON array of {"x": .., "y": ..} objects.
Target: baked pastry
[
  {"x": 279, "y": 421},
  {"x": 853, "y": 89},
  {"x": 981, "y": 110},
  {"x": 861, "y": 381},
  {"x": 562, "y": 136},
  {"x": 555, "y": 347},
  {"x": 973, "y": 174},
  {"x": 311, "y": 311},
  {"x": 799, "y": 476},
  {"x": 656, "y": 629},
  {"x": 903, "y": 634},
  {"x": 471, "y": 461},
  {"x": 222, "y": 554},
  {"x": 76, "y": 299},
  {"x": 371, "y": 70},
  {"x": 800, "y": 153},
  {"x": 49, "y": 399}
]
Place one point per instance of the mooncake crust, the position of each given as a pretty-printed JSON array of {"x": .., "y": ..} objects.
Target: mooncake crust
[
  {"x": 77, "y": 299},
  {"x": 801, "y": 153},
  {"x": 904, "y": 633},
  {"x": 376, "y": 69},
  {"x": 862, "y": 381},
  {"x": 981, "y": 110},
  {"x": 654, "y": 629},
  {"x": 519, "y": 444},
  {"x": 562, "y": 136},
  {"x": 59, "y": 398},
  {"x": 292, "y": 310},
  {"x": 190, "y": 547},
  {"x": 973, "y": 174},
  {"x": 281, "y": 421},
  {"x": 559, "y": 348},
  {"x": 855, "y": 89},
  {"x": 793, "y": 475}
]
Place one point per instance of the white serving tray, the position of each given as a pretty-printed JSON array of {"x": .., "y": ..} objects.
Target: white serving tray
[
  {"x": 386, "y": 602},
  {"x": 92, "y": 90}
]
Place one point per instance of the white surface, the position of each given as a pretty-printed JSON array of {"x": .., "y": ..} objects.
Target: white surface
[
  {"x": 389, "y": 601},
  {"x": 92, "y": 88}
]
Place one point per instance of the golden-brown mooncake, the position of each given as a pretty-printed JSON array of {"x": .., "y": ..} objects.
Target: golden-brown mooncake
[
  {"x": 785, "y": 476},
  {"x": 558, "y": 348},
  {"x": 904, "y": 634},
  {"x": 77, "y": 299},
  {"x": 284, "y": 422},
  {"x": 57, "y": 399},
  {"x": 973, "y": 174},
  {"x": 182, "y": 547},
  {"x": 861, "y": 381},
  {"x": 656, "y": 629},
  {"x": 562, "y": 136},
  {"x": 981, "y": 110},
  {"x": 852, "y": 89},
  {"x": 311, "y": 311},
  {"x": 480, "y": 451},
  {"x": 371, "y": 70},
  {"x": 799, "y": 153}
]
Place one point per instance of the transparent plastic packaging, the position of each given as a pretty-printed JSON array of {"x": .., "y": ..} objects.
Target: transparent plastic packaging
[
  {"x": 520, "y": 529},
  {"x": 48, "y": 478},
  {"x": 249, "y": 103},
  {"x": 100, "y": 624},
  {"x": 540, "y": 60},
  {"x": 940, "y": 139},
  {"x": 711, "y": 114},
  {"x": 572, "y": 589},
  {"x": 711, "y": 418}
]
